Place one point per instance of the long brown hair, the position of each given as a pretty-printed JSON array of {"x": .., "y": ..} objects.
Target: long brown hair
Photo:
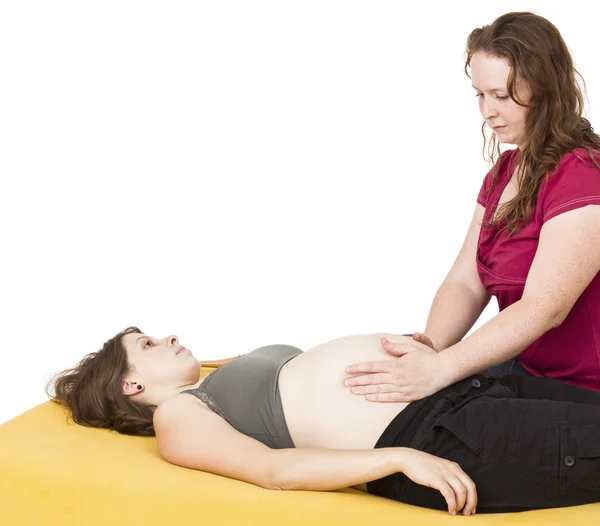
[
  {"x": 554, "y": 124},
  {"x": 93, "y": 391}
]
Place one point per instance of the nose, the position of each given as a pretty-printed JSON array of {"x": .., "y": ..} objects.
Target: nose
[
  {"x": 172, "y": 339},
  {"x": 488, "y": 109}
]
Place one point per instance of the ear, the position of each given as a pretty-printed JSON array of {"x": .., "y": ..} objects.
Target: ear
[{"x": 130, "y": 387}]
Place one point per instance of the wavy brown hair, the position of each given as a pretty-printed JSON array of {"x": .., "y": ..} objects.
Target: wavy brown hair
[
  {"x": 554, "y": 125},
  {"x": 93, "y": 391}
]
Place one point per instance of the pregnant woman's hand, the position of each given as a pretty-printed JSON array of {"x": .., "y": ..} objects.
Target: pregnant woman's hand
[
  {"x": 415, "y": 374},
  {"x": 444, "y": 475}
]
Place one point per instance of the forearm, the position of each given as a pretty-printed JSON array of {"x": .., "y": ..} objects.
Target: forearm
[
  {"x": 217, "y": 363},
  {"x": 329, "y": 469},
  {"x": 503, "y": 337},
  {"x": 454, "y": 310}
]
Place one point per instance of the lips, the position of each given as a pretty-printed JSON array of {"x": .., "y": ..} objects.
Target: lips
[{"x": 180, "y": 350}]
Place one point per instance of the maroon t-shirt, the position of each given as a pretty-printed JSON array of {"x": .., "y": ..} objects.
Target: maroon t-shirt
[{"x": 571, "y": 351}]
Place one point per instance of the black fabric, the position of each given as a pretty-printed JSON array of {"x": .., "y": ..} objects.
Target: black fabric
[
  {"x": 527, "y": 442},
  {"x": 513, "y": 366}
]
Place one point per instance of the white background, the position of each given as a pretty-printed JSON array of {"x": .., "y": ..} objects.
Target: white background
[{"x": 236, "y": 173}]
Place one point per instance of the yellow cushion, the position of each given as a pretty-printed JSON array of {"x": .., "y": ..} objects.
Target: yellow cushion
[{"x": 58, "y": 473}]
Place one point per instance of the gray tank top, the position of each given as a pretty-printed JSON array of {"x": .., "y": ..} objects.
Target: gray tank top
[{"x": 245, "y": 392}]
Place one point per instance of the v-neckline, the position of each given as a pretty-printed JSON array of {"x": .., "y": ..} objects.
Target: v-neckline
[{"x": 503, "y": 183}]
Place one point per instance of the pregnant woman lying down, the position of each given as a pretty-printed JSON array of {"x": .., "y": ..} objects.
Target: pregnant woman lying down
[{"x": 282, "y": 419}]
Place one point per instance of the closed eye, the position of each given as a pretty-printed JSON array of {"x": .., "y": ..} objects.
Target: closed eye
[{"x": 498, "y": 97}]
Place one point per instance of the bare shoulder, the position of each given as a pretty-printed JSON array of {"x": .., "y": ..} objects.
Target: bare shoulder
[
  {"x": 180, "y": 405},
  {"x": 183, "y": 419}
]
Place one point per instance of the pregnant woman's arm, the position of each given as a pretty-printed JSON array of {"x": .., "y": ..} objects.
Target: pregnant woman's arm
[
  {"x": 217, "y": 363},
  {"x": 192, "y": 436}
]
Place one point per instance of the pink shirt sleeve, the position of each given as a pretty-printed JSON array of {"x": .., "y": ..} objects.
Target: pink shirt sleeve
[
  {"x": 483, "y": 192},
  {"x": 576, "y": 184}
]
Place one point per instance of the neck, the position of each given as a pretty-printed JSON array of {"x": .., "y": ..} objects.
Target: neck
[{"x": 160, "y": 397}]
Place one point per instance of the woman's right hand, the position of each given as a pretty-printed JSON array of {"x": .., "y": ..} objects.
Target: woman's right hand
[{"x": 444, "y": 475}]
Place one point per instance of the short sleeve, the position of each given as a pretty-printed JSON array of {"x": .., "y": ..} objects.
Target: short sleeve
[
  {"x": 575, "y": 184},
  {"x": 483, "y": 192},
  {"x": 483, "y": 195}
]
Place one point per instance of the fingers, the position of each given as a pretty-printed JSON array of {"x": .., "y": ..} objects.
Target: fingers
[
  {"x": 460, "y": 492},
  {"x": 446, "y": 476},
  {"x": 383, "y": 366},
  {"x": 422, "y": 338},
  {"x": 369, "y": 379},
  {"x": 448, "y": 493},
  {"x": 374, "y": 389},
  {"x": 464, "y": 488},
  {"x": 378, "y": 387},
  {"x": 471, "y": 504},
  {"x": 388, "y": 397},
  {"x": 392, "y": 347},
  {"x": 457, "y": 488}
]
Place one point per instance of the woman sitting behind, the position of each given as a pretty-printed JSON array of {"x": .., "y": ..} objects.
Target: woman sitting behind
[{"x": 281, "y": 418}]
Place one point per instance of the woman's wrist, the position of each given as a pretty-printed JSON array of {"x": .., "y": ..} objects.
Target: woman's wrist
[
  {"x": 447, "y": 370},
  {"x": 401, "y": 455}
]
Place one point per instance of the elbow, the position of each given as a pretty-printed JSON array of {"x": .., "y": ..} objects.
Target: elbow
[
  {"x": 272, "y": 479},
  {"x": 554, "y": 318},
  {"x": 275, "y": 472},
  {"x": 557, "y": 316},
  {"x": 278, "y": 480},
  {"x": 557, "y": 320},
  {"x": 271, "y": 484},
  {"x": 549, "y": 316},
  {"x": 285, "y": 473}
]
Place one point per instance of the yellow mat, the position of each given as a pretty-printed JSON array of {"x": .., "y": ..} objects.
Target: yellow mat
[{"x": 58, "y": 473}]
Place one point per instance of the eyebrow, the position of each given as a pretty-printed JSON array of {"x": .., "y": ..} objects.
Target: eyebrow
[{"x": 495, "y": 89}]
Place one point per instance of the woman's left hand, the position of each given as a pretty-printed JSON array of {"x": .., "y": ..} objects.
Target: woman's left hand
[{"x": 414, "y": 374}]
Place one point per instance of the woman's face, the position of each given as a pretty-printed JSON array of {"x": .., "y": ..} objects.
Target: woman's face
[
  {"x": 160, "y": 366},
  {"x": 489, "y": 77}
]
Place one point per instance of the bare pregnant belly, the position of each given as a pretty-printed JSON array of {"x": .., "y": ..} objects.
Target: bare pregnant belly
[{"x": 320, "y": 411}]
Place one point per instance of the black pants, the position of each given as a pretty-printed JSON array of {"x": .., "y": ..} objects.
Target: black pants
[
  {"x": 527, "y": 442},
  {"x": 506, "y": 369}
]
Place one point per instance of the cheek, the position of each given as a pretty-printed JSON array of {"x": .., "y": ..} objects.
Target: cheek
[
  {"x": 523, "y": 117},
  {"x": 517, "y": 115}
]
